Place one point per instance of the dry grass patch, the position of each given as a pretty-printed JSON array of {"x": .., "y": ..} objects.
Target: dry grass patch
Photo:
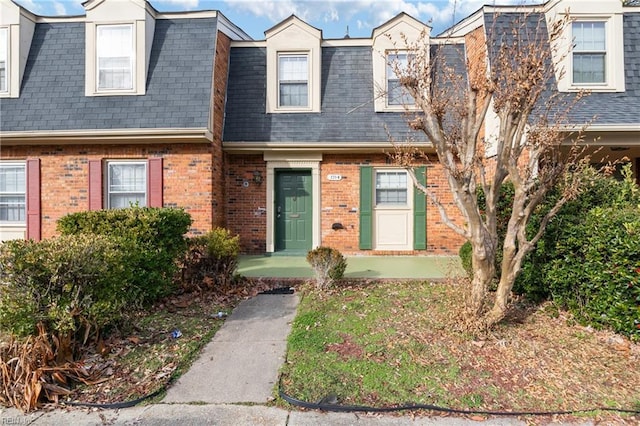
[{"x": 388, "y": 344}]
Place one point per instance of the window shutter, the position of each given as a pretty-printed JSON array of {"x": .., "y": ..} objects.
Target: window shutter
[
  {"x": 154, "y": 182},
  {"x": 95, "y": 185},
  {"x": 366, "y": 208},
  {"x": 34, "y": 221},
  {"x": 420, "y": 212}
]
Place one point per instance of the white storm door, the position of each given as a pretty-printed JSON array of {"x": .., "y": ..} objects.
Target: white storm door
[{"x": 393, "y": 214}]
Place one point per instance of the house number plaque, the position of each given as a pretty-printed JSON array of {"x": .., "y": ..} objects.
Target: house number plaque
[{"x": 334, "y": 177}]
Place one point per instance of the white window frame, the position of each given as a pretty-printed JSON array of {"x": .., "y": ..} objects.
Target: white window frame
[
  {"x": 23, "y": 165},
  {"x": 576, "y": 52},
  {"x": 612, "y": 14},
  {"x": 282, "y": 81},
  {"x": 4, "y": 89},
  {"x": 393, "y": 60},
  {"x": 386, "y": 205},
  {"x": 108, "y": 189},
  {"x": 132, "y": 59}
]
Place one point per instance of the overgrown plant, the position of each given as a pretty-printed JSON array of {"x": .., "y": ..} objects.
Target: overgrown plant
[
  {"x": 328, "y": 265},
  {"x": 210, "y": 259},
  {"x": 30, "y": 375},
  {"x": 72, "y": 286},
  {"x": 518, "y": 88}
]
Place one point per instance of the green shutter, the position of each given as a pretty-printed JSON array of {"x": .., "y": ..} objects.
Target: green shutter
[
  {"x": 420, "y": 212},
  {"x": 366, "y": 208}
]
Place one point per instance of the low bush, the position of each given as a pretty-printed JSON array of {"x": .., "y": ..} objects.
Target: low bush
[
  {"x": 155, "y": 237},
  {"x": 74, "y": 285},
  {"x": 597, "y": 274},
  {"x": 465, "y": 258},
  {"x": 328, "y": 265},
  {"x": 211, "y": 259}
]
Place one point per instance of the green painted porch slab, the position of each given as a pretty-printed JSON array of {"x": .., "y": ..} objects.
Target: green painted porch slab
[{"x": 386, "y": 267}]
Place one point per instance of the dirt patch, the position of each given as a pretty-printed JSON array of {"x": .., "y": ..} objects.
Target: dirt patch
[{"x": 346, "y": 349}]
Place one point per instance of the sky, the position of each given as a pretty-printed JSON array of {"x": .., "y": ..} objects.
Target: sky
[{"x": 333, "y": 17}]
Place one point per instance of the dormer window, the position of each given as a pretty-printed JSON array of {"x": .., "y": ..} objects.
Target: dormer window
[
  {"x": 393, "y": 50},
  {"x": 397, "y": 62},
  {"x": 293, "y": 80},
  {"x": 4, "y": 60},
  {"x": 589, "y": 52},
  {"x": 115, "y": 57},
  {"x": 293, "y": 67},
  {"x": 118, "y": 41}
]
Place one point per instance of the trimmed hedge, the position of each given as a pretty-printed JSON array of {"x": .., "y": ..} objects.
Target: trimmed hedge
[
  {"x": 154, "y": 236},
  {"x": 597, "y": 275},
  {"x": 71, "y": 284}
]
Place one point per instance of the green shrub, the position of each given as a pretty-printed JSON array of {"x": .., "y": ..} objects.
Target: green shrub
[
  {"x": 74, "y": 285},
  {"x": 597, "y": 275},
  {"x": 328, "y": 264},
  {"x": 210, "y": 259},
  {"x": 465, "y": 258},
  {"x": 601, "y": 191},
  {"x": 155, "y": 237}
]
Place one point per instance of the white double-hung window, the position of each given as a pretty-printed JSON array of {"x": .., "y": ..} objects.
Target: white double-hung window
[
  {"x": 293, "y": 80},
  {"x": 396, "y": 94},
  {"x": 4, "y": 60},
  {"x": 13, "y": 193},
  {"x": 589, "y": 52},
  {"x": 391, "y": 188},
  {"x": 126, "y": 184},
  {"x": 115, "y": 57}
]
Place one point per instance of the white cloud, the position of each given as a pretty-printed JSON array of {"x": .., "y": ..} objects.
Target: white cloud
[
  {"x": 59, "y": 8},
  {"x": 366, "y": 14},
  {"x": 274, "y": 11},
  {"x": 186, "y": 4},
  {"x": 331, "y": 15}
]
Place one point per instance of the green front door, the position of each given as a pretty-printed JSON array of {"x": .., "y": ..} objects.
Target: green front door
[{"x": 292, "y": 209}]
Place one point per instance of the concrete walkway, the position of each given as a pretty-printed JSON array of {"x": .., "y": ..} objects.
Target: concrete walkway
[
  {"x": 382, "y": 267},
  {"x": 241, "y": 363}
]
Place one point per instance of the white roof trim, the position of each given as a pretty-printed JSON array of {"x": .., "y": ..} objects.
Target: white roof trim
[{"x": 113, "y": 136}]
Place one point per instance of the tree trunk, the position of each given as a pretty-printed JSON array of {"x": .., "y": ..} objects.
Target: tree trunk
[
  {"x": 508, "y": 274},
  {"x": 483, "y": 264}
]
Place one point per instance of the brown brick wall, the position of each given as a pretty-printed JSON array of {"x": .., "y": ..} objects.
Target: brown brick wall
[
  {"x": 340, "y": 204},
  {"x": 65, "y": 177},
  {"x": 245, "y": 201},
  {"x": 221, "y": 68},
  {"x": 341, "y": 200}
]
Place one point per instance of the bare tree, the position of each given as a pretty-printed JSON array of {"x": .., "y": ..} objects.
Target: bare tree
[{"x": 509, "y": 71}]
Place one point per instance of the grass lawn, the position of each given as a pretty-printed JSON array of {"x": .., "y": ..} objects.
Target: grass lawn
[{"x": 393, "y": 343}]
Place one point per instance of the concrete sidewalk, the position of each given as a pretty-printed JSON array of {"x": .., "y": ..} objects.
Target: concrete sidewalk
[{"x": 227, "y": 415}]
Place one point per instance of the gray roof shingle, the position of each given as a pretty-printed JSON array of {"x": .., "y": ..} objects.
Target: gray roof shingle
[
  {"x": 599, "y": 108},
  {"x": 178, "y": 91},
  {"x": 347, "y": 109}
]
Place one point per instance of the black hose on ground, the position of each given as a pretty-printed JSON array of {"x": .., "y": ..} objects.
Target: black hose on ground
[
  {"x": 325, "y": 406},
  {"x": 116, "y": 405}
]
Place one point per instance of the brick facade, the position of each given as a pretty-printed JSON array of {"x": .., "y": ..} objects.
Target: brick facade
[
  {"x": 340, "y": 202},
  {"x": 65, "y": 177},
  {"x": 245, "y": 202},
  {"x": 220, "y": 72}
]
